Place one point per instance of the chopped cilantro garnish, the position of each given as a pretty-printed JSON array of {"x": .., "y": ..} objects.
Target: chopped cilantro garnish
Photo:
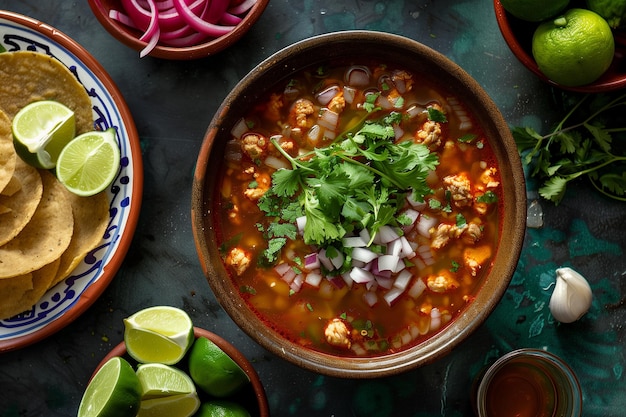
[
  {"x": 359, "y": 181},
  {"x": 436, "y": 115},
  {"x": 467, "y": 138},
  {"x": 460, "y": 221},
  {"x": 489, "y": 197},
  {"x": 455, "y": 266}
]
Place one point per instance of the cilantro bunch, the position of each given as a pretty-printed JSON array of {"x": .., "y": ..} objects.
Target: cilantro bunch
[
  {"x": 359, "y": 181},
  {"x": 589, "y": 141}
]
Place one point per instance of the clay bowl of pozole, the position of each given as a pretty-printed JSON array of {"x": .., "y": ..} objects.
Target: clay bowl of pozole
[{"x": 358, "y": 204}]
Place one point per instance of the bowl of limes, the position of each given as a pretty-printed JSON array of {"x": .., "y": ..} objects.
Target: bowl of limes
[
  {"x": 575, "y": 45},
  {"x": 166, "y": 366}
]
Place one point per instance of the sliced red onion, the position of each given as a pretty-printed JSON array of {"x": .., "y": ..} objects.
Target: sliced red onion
[
  {"x": 230, "y": 19},
  {"x": 123, "y": 19},
  {"x": 215, "y": 10},
  {"x": 197, "y": 23}
]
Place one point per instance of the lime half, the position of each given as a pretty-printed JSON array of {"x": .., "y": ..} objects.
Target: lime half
[
  {"x": 160, "y": 334},
  {"x": 114, "y": 391},
  {"x": 89, "y": 163},
  {"x": 40, "y": 132}
]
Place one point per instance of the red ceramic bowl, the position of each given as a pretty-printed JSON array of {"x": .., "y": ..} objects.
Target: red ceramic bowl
[
  {"x": 518, "y": 35},
  {"x": 252, "y": 397},
  {"x": 130, "y": 37}
]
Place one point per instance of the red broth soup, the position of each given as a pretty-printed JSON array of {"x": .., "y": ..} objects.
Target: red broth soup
[{"x": 358, "y": 208}]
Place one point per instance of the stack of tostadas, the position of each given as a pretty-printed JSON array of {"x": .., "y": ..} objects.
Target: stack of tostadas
[{"x": 45, "y": 230}]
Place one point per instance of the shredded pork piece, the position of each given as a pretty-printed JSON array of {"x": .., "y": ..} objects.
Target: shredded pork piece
[
  {"x": 239, "y": 259},
  {"x": 254, "y": 145},
  {"x": 460, "y": 189},
  {"x": 337, "y": 334},
  {"x": 442, "y": 282},
  {"x": 300, "y": 113}
]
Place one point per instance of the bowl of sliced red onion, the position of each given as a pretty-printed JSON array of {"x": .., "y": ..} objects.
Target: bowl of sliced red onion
[
  {"x": 177, "y": 29},
  {"x": 358, "y": 204}
]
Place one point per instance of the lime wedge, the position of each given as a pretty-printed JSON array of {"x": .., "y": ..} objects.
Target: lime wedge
[
  {"x": 41, "y": 130},
  {"x": 182, "y": 405},
  {"x": 114, "y": 391},
  {"x": 88, "y": 164},
  {"x": 158, "y": 380},
  {"x": 160, "y": 334},
  {"x": 213, "y": 370}
]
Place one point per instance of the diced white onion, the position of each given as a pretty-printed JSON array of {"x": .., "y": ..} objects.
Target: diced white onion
[
  {"x": 348, "y": 94},
  {"x": 239, "y": 129},
  {"x": 329, "y": 119},
  {"x": 417, "y": 288},
  {"x": 371, "y": 298},
  {"x": 282, "y": 268},
  {"x": 276, "y": 163},
  {"x": 435, "y": 319},
  {"x": 424, "y": 224},
  {"x": 313, "y": 278},
  {"x": 361, "y": 276},
  {"x": 392, "y": 295},
  {"x": 402, "y": 279},
  {"x": 387, "y": 262},
  {"x": 325, "y": 260},
  {"x": 363, "y": 254},
  {"x": 301, "y": 223},
  {"x": 314, "y": 134},
  {"x": 354, "y": 242}
]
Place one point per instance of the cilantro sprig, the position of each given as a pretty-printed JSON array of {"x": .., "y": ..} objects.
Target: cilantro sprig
[
  {"x": 593, "y": 147},
  {"x": 359, "y": 181}
]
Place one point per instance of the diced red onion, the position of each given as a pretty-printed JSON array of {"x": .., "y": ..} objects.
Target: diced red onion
[
  {"x": 296, "y": 283},
  {"x": 414, "y": 111},
  {"x": 347, "y": 279},
  {"x": 311, "y": 261},
  {"x": 289, "y": 276},
  {"x": 325, "y": 260},
  {"x": 384, "y": 282}
]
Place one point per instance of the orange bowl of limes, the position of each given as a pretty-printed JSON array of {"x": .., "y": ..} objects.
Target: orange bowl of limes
[
  {"x": 200, "y": 383},
  {"x": 520, "y": 34}
]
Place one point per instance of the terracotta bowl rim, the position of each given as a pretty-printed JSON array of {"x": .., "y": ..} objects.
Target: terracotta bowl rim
[
  {"x": 130, "y": 37},
  {"x": 232, "y": 351},
  {"x": 439, "y": 344}
]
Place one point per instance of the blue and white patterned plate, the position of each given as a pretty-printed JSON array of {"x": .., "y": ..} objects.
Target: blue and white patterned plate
[{"x": 67, "y": 300}]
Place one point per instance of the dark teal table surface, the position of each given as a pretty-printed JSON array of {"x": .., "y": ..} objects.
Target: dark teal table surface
[{"x": 172, "y": 104}]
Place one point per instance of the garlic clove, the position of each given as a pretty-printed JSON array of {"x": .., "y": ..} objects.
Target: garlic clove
[{"x": 571, "y": 297}]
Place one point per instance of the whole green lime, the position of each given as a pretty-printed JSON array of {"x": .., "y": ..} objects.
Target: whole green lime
[
  {"x": 213, "y": 370},
  {"x": 614, "y": 11},
  {"x": 222, "y": 408},
  {"x": 534, "y": 10},
  {"x": 574, "y": 49}
]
